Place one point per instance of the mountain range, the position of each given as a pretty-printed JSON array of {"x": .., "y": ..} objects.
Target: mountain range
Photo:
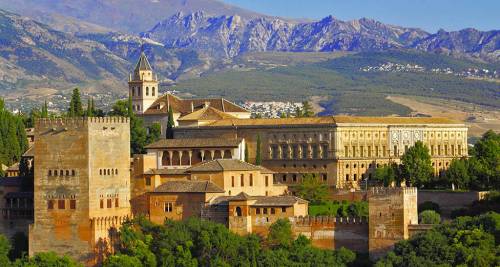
[{"x": 59, "y": 44}]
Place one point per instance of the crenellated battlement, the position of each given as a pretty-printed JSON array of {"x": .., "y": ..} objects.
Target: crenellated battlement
[
  {"x": 77, "y": 122},
  {"x": 385, "y": 191},
  {"x": 326, "y": 220},
  {"x": 108, "y": 120}
]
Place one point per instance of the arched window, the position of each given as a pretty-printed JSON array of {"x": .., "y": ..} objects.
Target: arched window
[
  {"x": 73, "y": 173},
  {"x": 61, "y": 172},
  {"x": 67, "y": 172},
  {"x": 50, "y": 172},
  {"x": 100, "y": 171},
  {"x": 238, "y": 211},
  {"x": 153, "y": 91},
  {"x": 147, "y": 90},
  {"x": 133, "y": 91},
  {"x": 116, "y": 171}
]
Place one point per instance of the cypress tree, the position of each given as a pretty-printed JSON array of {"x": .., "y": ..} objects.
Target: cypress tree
[
  {"x": 75, "y": 105},
  {"x": 89, "y": 112},
  {"x": 92, "y": 104},
  {"x": 129, "y": 108},
  {"x": 246, "y": 153},
  {"x": 170, "y": 123},
  {"x": 258, "y": 156},
  {"x": 45, "y": 111}
]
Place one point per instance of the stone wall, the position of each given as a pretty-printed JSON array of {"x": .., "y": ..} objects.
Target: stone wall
[
  {"x": 324, "y": 232},
  {"x": 448, "y": 200}
]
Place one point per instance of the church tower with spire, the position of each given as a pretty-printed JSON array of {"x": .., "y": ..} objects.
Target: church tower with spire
[{"x": 142, "y": 85}]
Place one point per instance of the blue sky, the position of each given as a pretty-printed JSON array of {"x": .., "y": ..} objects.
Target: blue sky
[{"x": 430, "y": 15}]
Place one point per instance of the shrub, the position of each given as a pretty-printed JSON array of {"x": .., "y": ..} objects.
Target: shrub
[{"x": 429, "y": 217}]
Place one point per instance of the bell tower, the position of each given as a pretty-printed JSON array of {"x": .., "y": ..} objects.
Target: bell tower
[{"x": 142, "y": 85}]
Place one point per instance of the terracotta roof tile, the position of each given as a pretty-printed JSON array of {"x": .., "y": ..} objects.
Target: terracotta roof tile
[
  {"x": 277, "y": 201},
  {"x": 188, "y": 187},
  {"x": 196, "y": 143},
  {"x": 186, "y": 106},
  {"x": 206, "y": 113},
  {"x": 332, "y": 120},
  {"x": 166, "y": 171},
  {"x": 226, "y": 165}
]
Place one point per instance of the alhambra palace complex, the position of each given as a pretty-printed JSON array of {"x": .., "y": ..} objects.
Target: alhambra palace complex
[{"x": 86, "y": 184}]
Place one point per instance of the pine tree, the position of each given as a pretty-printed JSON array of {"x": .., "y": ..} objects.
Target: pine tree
[
  {"x": 258, "y": 153},
  {"x": 75, "y": 105},
  {"x": 170, "y": 124}
]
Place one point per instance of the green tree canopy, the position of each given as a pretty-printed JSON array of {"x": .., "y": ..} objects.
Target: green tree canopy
[
  {"x": 429, "y": 217},
  {"x": 466, "y": 241},
  {"x": 312, "y": 189},
  {"x": 457, "y": 173},
  {"x": 280, "y": 233},
  {"x": 388, "y": 174},
  {"x": 154, "y": 133},
  {"x": 416, "y": 165}
]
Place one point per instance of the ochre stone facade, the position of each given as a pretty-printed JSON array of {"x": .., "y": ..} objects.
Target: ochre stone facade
[
  {"x": 342, "y": 151},
  {"x": 82, "y": 186}
]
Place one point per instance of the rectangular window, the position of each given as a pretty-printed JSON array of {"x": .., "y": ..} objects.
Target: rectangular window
[
  {"x": 267, "y": 180},
  {"x": 315, "y": 151},
  {"x": 242, "y": 180},
  {"x": 439, "y": 150},
  {"x": 102, "y": 204},
  {"x": 284, "y": 152},
  {"x": 232, "y": 181},
  {"x": 376, "y": 151},
  {"x": 295, "y": 151},
  {"x": 265, "y": 210},
  {"x": 396, "y": 151},
  {"x": 283, "y": 209},
  {"x": 251, "y": 179},
  {"x": 50, "y": 204},
  {"x": 72, "y": 204},
  {"x": 148, "y": 181},
  {"x": 353, "y": 151},
  {"x": 273, "y": 211},
  {"x": 369, "y": 151},
  {"x": 324, "y": 152},
  {"x": 459, "y": 150},
  {"x": 347, "y": 177},
  {"x": 257, "y": 211},
  {"x": 61, "y": 204},
  {"x": 304, "y": 151},
  {"x": 453, "y": 150},
  {"x": 109, "y": 203},
  {"x": 168, "y": 207},
  {"x": 346, "y": 151},
  {"x": 384, "y": 151},
  {"x": 117, "y": 203},
  {"x": 362, "y": 151}
]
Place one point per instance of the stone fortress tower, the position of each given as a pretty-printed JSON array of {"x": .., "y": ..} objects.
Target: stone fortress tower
[
  {"x": 143, "y": 86},
  {"x": 391, "y": 212},
  {"x": 81, "y": 188}
]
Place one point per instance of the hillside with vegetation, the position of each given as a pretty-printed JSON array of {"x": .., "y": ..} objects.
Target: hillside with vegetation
[{"x": 350, "y": 89}]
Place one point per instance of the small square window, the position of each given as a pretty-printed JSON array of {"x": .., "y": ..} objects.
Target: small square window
[
  {"x": 168, "y": 207},
  {"x": 50, "y": 204},
  {"x": 61, "y": 204},
  {"x": 283, "y": 209}
]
